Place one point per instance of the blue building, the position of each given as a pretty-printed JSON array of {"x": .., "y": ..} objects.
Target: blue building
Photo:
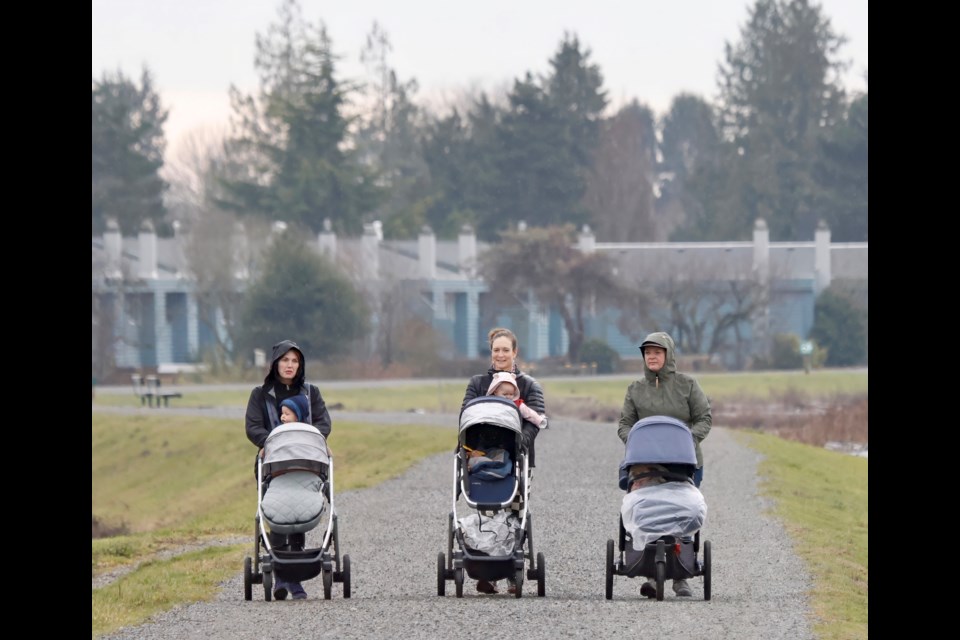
[{"x": 148, "y": 310}]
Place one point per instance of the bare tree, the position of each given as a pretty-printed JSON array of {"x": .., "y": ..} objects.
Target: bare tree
[
  {"x": 709, "y": 316},
  {"x": 220, "y": 253},
  {"x": 619, "y": 190},
  {"x": 542, "y": 266}
]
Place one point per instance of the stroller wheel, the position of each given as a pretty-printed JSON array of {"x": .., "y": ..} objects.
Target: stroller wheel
[
  {"x": 267, "y": 585},
  {"x": 661, "y": 579},
  {"x": 609, "y": 582},
  {"x": 327, "y": 584},
  {"x": 441, "y": 577},
  {"x": 541, "y": 576},
  {"x": 458, "y": 581},
  {"x": 706, "y": 570},
  {"x": 247, "y": 579},
  {"x": 346, "y": 576},
  {"x": 519, "y": 586}
]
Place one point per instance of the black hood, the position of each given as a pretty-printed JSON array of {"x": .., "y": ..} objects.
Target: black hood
[{"x": 278, "y": 350}]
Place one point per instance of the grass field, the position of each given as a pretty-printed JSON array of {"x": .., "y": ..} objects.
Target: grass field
[
  {"x": 446, "y": 396},
  {"x": 165, "y": 483}
]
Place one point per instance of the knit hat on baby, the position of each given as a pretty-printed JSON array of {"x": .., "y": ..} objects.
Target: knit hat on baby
[{"x": 299, "y": 405}]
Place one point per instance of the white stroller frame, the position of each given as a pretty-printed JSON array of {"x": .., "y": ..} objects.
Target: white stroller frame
[
  {"x": 455, "y": 564},
  {"x": 308, "y": 562}
]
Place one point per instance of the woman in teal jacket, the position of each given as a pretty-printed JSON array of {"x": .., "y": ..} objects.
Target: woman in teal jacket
[{"x": 664, "y": 391}]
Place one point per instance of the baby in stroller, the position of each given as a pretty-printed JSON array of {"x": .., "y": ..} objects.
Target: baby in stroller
[
  {"x": 492, "y": 475},
  {"x": 295, "y": 482},
  {"x": 662, "y": 509}
]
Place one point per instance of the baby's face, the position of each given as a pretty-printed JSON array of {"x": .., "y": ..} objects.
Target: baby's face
[
  {"x": 287, "y": 415},
  {"x": 506, "y": 390}
]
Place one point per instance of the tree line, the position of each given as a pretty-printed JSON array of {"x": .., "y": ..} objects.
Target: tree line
[{"x": 782, "y": 140}]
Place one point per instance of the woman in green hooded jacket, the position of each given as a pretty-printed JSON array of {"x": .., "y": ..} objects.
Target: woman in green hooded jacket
[{"x": 664, "y": 391}]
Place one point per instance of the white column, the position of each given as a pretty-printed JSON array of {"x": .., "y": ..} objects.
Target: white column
[
  {"x": 113, "y": 246},
  {"x": 761, "y": 270},
  {"x": 148, "y": 252},
  {"x": 327, "y": 240},
  {"x": 761, "y": 250},
  {"x": 821, "y": 260},
  {"x": 241, "y": 252},
  {"x": 161, "y": 328},
  {"x": 473, "y": 316},
  {"x": 586, "y": 242},
  {"x": 427, "y": 249},
  {"x": 193, "y": 328},
  {"x": 467, "y": 250},
  {"x": 370, "y": 252}
]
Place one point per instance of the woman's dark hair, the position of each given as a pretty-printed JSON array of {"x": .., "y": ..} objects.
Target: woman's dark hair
[{"x": 500, "y": 332}]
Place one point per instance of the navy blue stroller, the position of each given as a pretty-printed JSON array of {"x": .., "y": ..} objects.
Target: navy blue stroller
[
  {"x": 659, "y": 524},
  {"x": 494, "y": 541}
]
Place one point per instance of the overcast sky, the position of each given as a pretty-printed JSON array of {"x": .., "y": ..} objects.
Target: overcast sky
[{"x": 649, "y": 50}]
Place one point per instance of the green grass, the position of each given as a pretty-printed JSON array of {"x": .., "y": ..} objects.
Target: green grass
[
  {"x": 821, "y": 497},
  {"x": 158, "y": 586},
  {"x": 446, "y": 396},
  {"x": 721, "y": 386}
]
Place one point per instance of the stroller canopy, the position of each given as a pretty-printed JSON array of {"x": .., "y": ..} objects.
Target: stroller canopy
[
  {"x": 490, "y": 410},
  {"x": 295, "y": 445},
  {"x": 658, "y": 440}
]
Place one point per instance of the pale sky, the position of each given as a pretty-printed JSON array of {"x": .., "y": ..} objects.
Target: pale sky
[{"x": 649, "y": 50}]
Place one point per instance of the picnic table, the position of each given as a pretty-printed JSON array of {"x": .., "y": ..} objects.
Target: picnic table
[{"x": 150, "y": 391}]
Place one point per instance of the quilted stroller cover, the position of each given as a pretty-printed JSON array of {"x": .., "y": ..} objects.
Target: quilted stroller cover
[{"x": 296, "y": 460}]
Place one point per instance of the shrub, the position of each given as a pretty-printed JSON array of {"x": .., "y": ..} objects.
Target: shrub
[
  {"x": 608, "y": 360},
  {"x": 839, "y": 326}
]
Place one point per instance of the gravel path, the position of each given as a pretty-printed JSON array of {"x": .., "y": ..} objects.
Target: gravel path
[{"x": 394, "y": 532}]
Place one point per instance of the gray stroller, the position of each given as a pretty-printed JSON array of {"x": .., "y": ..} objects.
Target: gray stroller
[
  {"x": 494, "y": 540},
  {"x": 294, "y": 489},
  {"x": 659, "y": 524}
]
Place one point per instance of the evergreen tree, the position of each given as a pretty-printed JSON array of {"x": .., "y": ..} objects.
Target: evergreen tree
[
  {"x": 779, "y": 97},
  {"x": 840, "y": 327},
  {"x": 388, "y": 139},
  {"x": 302, "y": 294},
  {"x": 463, "y": 155},
  {"x": 620, "y": 183},
  {"x": 842, "y": 175},
  {"x": 288, "y": 154},
  {"x": 690, "y": 146},
  {"x": 127, "y": 154},
  {"x": 549, "y": 135}
]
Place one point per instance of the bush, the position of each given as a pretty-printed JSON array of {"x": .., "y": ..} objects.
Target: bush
[
  {"x": 608, "y": 360},
  {"x": 784, "y": 354},
  {"x": 839, "y": 326}
]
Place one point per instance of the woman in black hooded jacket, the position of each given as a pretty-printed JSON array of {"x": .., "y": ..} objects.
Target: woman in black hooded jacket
[{"x": 286, "y": 379}]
